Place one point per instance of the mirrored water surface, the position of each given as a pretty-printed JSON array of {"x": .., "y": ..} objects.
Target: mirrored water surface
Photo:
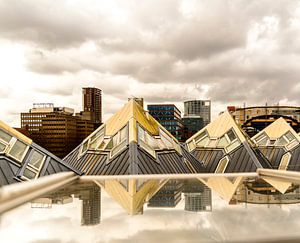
[{"x": 133, "y": 210}]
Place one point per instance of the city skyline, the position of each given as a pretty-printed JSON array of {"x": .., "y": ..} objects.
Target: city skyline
[{"x": 238, "y": 53}]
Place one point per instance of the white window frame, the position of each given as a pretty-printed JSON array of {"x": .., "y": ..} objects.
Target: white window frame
[
  {"x": 143, "y": 144},
  {"x": 227, "y": 161},
  {"x": 264, "y": 135},
  {"x": 120, "y": 142},
  {"x": 10, "y": 146},
  {"x": 288, "y": 162}
]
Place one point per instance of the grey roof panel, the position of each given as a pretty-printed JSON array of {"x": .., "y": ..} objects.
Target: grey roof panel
[
  {"x": 294, "y": 164},
  {"x": 273, "y": 154},
  {"x": 8, "y": 171}
]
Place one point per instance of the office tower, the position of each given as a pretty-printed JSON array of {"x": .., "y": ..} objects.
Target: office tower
[
  {"x": 92, "y": 105},
  {"x": 169, "y": 116},
  {"x": 200, "y": 108},
  {"x": 140, "y": 101},
  {"x": 191, "y": 125},
  {"x": 55, "y": 128}
]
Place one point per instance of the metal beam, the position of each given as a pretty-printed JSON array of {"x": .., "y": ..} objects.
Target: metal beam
[
  {"x": 165, "y": 176},
  {"x": 281, "y": 175}
]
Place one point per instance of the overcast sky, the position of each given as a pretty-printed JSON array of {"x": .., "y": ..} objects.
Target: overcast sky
[{"x": 165, "y": 51}]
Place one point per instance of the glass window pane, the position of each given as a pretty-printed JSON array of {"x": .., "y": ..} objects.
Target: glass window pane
[
  {"x": 95, "y": 144},
  {"x": 36, "y": 159},
  {"x": 212, "y": 143},
  {"x": 5, "y": 136},
  {"x": 200, "y": 136},
  {"x": 231, "y": 135},
  {"x": 84, "y": 146},
  {"x": 2, "y": 147},
  {"x": 284, "y": 161},
  {"x": 141, "y": 133},
  {"x": 29, "y": 174},
  {"x": 18, "y": 150},
  {"x": 191, "y": 145},
  {"x": 222, "y": 165},
  {"x": 151, "y": 141},
  {"x": 223, "y": 142},
  {"x": 233, "y": 146},
  {"x": 115, "y": 140},
  {"x": 263, "y": 141},
  {"x": 97, "y": 134},
  {"x": 281, "y": 141},
  {"x": 289, "y": 136},
  {"x": 123, "y": 134},
  {"x": 203, "y": 142},
  {"x": 118, "y": 148}
]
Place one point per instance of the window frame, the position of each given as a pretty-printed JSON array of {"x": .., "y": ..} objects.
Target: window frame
[
  {"x": 121, "y": 144},
  {"x": 219, "y": 165},
  {"x": 13, "y": 141}
]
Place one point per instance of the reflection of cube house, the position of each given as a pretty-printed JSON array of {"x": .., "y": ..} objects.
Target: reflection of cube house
[{"x": 168, "y": 196}]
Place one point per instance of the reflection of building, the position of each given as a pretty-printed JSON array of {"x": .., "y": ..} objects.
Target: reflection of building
[
  {"x": 169, "y": 116},
  {"x": 90, "y": 194},
  {"x": 92, "y": 105},
  {"x": 200, "y": 108},
  {"x": 191, "y": 125},
  {"x": 262, "y": 193},
  {"x": 168, "y": 196},
  {"x": 55, "y": 128},
  {"x": 254, "y": 119},
  {"x": 91, "y": 206},
  {"x": 197, "y": 196}
]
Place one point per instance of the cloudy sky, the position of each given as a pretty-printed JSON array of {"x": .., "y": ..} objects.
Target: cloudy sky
[{"x": 165, "y": 51}]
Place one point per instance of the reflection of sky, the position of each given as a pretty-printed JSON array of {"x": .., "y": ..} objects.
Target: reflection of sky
[{"x": 62, "y": 224}]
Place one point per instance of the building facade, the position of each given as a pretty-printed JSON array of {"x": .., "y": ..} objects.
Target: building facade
[
  {"x": 191, "y": 125},
  {"x": 92, "y": 105},
  {"x": 169, "y": 116},
  {"x": 254, "y": 119},
  {"x": 55, "y": 128},
  {"x": 200, "y": 108}
]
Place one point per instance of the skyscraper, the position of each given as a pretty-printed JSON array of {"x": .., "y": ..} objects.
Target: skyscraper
[
  {"x": 200, "y": 108},
  {"x": 92, "y": 104},
  {"x": 169, "y": 116}
]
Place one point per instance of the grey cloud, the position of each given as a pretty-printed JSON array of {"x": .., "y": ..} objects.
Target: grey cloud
[
  {"x": 158, "y": 44},
  {"x": 47, "y": 24}
]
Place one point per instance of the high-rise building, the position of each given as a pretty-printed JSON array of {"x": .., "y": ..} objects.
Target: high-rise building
[
  {"x": 169, "y": 116},
  {"x": 55, "y": 128},
  {"x": 92, "y": 105},
  {"x": 191, "y": 125},
  {"x": 200, "y": 108}
]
